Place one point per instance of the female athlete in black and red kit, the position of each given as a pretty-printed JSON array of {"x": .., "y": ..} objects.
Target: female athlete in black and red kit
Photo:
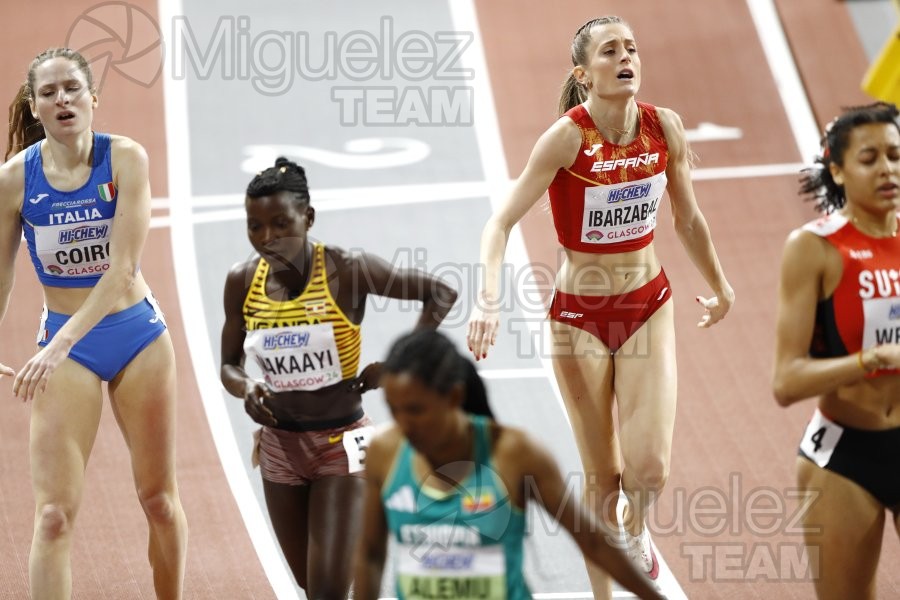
[{"x": 839, "y": 304}]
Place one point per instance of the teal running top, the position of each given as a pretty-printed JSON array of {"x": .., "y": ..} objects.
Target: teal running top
[{"x": 461, "y": 543}]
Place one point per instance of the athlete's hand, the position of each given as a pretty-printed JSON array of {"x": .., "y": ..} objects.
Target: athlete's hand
[
  {"x": 885, "y": 356},
  {"x": 4, "y": 370},
  {"x": 255, "y": 396},
  {"x": 35, "y": 375},
  {"x": 715, "y": 308},
  {"x": 483, "y": 327},
  {"x": 368, "y": 379}
]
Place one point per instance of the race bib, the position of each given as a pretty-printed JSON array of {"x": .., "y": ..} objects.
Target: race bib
[
  {"x": 303, "y": 357},
  {"x": 882, "y": 321},
  {"x": 356, "y": 442},
  {"x": 74, "y": 249},
  {"x": 622, "y": 211},
  {"x": 452, "y": 572},
  {"x": 820, "y": 439}
]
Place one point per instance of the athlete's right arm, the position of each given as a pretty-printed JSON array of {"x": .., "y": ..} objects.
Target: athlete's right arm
[
  {"x": 371, "y": 551},
  {"x": 798, "y": 376},
  {"x": 235, "y": 379},
  {"x": 545, "y": 484},
  {"x": 12, "y": 184},
  {"x": 554, "y": 150}
]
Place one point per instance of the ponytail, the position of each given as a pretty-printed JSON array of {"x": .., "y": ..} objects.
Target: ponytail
[
  {"x": 476, "y": 400},
  {"x": 572, "y": 94},
  {"x": 432, "y": 358},
  {"x": 24, "y": 129}
]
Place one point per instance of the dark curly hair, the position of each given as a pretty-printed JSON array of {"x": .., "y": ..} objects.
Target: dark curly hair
[{"x": 816, "y": 183}]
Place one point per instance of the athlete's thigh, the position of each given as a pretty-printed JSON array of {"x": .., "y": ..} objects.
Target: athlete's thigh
[
  {"x": 646, "y": 382},
  {"x": 288, "y": 507},
  {"x": 64, "y": 421},
  {"x": 584, "y": 373},
  {"x": 843, "y": 526},
  {"x": 337, "y": 505},
  {"x": 143, "y": 399}
]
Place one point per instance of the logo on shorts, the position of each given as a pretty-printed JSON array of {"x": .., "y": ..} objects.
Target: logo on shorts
[
  {"x": 334, "y": 439},
  {"x": 570, "y": 315}
]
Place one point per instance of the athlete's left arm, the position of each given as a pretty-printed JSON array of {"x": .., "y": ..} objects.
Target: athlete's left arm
[
  {"x": 381, "y": 278},
  {"x": 690, "y": 225},
  {"x": 131, "y": 223},
  {"x": 372, "y": 275}
]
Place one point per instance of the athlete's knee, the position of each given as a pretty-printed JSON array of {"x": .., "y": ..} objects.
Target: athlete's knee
[
  {"x": 651, "y": 472},
  {"x": 161, "y": 507},
  {"x": 54, "y": 521},
  {"x": 601, "y": 494}
]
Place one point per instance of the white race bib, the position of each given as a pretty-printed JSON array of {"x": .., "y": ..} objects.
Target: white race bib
[
  {"x": 356, "y": 442},
  {"x": 820, "y": 438},
  {"x": 452, "y": 572},
  {"x": 74, "y": 249},
  {"x": 622, "y": 211},
  {"x": 302, "y": 357},
  {"x": 882, "y": 321}
]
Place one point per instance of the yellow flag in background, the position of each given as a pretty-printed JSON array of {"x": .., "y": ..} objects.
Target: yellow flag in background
[{"x": 882, "y": 80}]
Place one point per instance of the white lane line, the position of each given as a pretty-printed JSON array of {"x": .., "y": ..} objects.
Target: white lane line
[
  {"x": 755, "y": 171},
  {"x": 787, "y": 78},
  {"x": 513, "y": 373},
  {"x": 493, "y": 159},
  {"x": 193, "y": 315},
  {"x": 566, "y": 595},
  {"x": 334, "y": 199}
]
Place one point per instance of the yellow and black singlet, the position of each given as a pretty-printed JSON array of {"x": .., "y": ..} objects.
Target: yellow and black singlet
[{"x": 305, "y": 343}]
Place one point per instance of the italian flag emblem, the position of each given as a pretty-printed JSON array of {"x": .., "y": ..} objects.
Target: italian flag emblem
[{"x": 107, "y": 191}]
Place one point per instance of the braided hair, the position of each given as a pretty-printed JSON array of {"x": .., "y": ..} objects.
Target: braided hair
[
  {"x": 816, "y": 183},
  {"x": 285, "y": 176},
  {"x": 432, "y": 358}
]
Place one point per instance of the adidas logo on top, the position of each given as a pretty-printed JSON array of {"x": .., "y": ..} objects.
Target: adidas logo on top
[{"x": 402, "y": 500}]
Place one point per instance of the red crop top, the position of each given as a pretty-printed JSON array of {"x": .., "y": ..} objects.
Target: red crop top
[{"x": 606, "y": 202}]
